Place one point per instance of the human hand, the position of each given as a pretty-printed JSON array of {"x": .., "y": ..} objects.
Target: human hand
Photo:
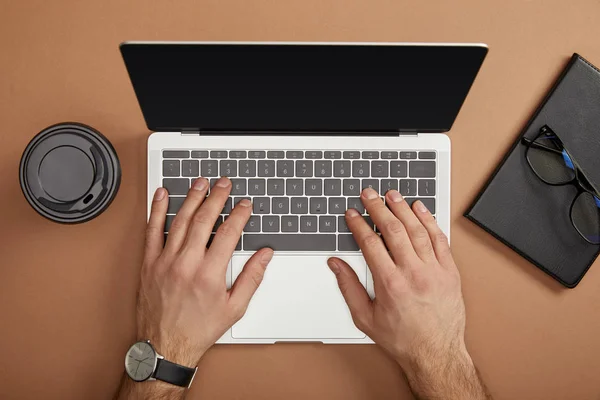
[
  {"x": 184, "y": 305},
  {"x": 418, "y": 314}
]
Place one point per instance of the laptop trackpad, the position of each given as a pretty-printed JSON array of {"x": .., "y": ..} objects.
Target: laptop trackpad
[{"x": 298, "y": 299}]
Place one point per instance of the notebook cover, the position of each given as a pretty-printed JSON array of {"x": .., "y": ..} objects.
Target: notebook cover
[{"x": 530, "y": 216}]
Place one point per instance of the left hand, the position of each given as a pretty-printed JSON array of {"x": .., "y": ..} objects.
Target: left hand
[{"x": 184, "y": 305}]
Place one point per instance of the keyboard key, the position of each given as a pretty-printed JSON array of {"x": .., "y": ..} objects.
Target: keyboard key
[
  {"x": 257, "y": 154},
  {"x": 213, "y": 181},
  {"x": 388, "y": 184},
  {"x": 168, "y": 222},
  {"x": 275, "y": 154},
  {"x": 422, "y": 169},
  {"x": 380, "y": 169},
  {"x": 342, "y": 227},
  {"x": 323, "y": 169},
  {"x": 341, "y": 169},
  {"x": 176, "y": 154},
  {"x": 257, "y": 187},
  {"x": 171, "y": 168},
  {"x": 327, "y": 223},
  {"x": 236, "y": 200},
  {"x": 275, "y": 187},
  {"x": 176, "y": 185},
  {"x": 270, "y": 223},
  {"x": 427, "y": 155},
  {"x": 398, "y": 169},
  {"x": 347, "y": 243},
  {"x": 248, "y": 168},
  {"x": 281, "y": 205},
  {"x": 285, "y": 168},
  {"x": 200, "y": 154},
  {"x": 372, "y": 183},
  {"x": 351, "y": 187},
  {"x": 428, "y": 201},
  {"x": 356, "y": 203},
  {"x": 209, "y": 168},
  {"x": 175, "y": 204},
  {"x": 228, "y": 206},
  {"x": 289, "y": 223},
  {"x": 318, "y": 205},
  {"x": 408, "y": 187},
  {"x": 290, "y": 242},
  {"x": 426, "y": 187},
  {"x": 253, "y": 224},
  {"x": 333, "y": 155},
  {"x": 266, "y": 168},
  {"x": 333, "y": 187},
  {"x": 353, "y": 155},
  {"x": 370, "y": 155},
  {"x": 408, "y": 155},
  {"x": 261, "y": 205},
  {"x": 237, "y": 154},
  {"x": 313, "y": 187},
  {"x": 218, "y": 223},
  {"x": 294, "y": 154},
  {"x": 294, "y": 187},
  {"x": 389, "y": 155},
  {"x": 238, "y": 187},
  {"x": 218, "y": 154},
  {"x": 369, "y": 221},
  {"x": 304, "y": 168},
  {"x": 313, "y": 154},
  {"x": 299, "y": 205},
  {"x": 228, "y": 168},
  {"x": 308, "y": 223},
  {"x": 190, "y": 168},
  {"x": 337, "y": 205},
  {"x": 360, "y": 169}
]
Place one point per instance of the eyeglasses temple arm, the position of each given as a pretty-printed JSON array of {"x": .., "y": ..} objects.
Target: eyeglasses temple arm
[{"x": 540, "y": 146}]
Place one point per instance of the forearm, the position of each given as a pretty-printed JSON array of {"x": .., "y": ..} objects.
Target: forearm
[
  {"x": 446, "y": 377},
  {"x": 153, "y": 390}
]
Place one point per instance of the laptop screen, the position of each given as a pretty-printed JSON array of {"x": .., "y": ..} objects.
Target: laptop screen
[{"x": 301, "y": 87}]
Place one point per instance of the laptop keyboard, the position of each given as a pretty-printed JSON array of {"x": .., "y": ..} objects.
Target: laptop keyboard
[{"x": 300, "y": 197}]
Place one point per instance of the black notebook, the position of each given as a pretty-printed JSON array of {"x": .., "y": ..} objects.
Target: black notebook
[{"x": 526, "y": 214}]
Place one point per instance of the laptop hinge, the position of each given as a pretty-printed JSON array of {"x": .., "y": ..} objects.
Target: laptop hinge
[
  {"x": 408, "y": 133},
  {"x": 188, "y": 132}
]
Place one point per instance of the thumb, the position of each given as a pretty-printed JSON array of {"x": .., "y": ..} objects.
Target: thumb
[
  {"x": 359, "y": 303},
  {"x": 249, "y": 280}
]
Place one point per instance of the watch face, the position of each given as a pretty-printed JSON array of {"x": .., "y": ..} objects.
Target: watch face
[{"x": 140, "y": 361}]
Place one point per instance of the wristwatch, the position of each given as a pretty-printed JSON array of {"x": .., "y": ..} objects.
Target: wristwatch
[{"x": 143, "y": 363}]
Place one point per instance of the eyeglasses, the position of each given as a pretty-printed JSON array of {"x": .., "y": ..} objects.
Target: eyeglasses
[{"x": 551, "y": 162}]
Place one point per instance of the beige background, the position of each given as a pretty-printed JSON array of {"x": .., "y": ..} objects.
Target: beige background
[{"x": 67, "y": 293}]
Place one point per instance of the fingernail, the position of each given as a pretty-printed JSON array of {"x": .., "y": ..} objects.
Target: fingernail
[
  {"x": 421, "y": 207},
  {"x": 370, "y": 194},
  {"x": 223, "y": 182},
  {"x": 333, "y": 266},
  {"x": 159, "y": 194},
  {"x": 245, "y": 203},
  {"x": 395, "y": 196},
  {"x": 200, "y": 184},
  {"x": 351, "y": 213},
  {"x": 266, "y": 257}
]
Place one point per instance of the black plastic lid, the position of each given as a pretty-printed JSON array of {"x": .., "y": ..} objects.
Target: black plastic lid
[{"x": 70, "y": 173}]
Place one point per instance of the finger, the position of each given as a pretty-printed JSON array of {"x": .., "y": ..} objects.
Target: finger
[
  {"x": 228, "y": 235},
  {"x": 359, "y": 303},
  {"x": 371, "y": 245},
  {"x": 155, "y": 235},
  {"x": 205, "y": 217},
  {"x": 393, "y": 231},
  {"x": 248, "y": 281},
  {"x": 438, "y": 239},
  {"x": 417, "y": 233},
  {"x": 179, "y": 227}
]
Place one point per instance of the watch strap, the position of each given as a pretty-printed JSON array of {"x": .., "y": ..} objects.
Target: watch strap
[{"x": 174, "y": 374}]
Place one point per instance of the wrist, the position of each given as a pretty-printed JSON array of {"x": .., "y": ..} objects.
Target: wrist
[
  {"x": 428, "y": 360},
  {"x": 176, "y": 348}
]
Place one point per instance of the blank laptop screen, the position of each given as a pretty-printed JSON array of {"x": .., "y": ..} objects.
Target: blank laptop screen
[{"x": 301, "y": 87}]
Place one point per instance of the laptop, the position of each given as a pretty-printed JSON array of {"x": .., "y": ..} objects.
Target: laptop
[{"x": 301, "y": 129}]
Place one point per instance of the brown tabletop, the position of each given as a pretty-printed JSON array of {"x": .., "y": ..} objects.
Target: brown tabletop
[{"x": 67, "y": 293}]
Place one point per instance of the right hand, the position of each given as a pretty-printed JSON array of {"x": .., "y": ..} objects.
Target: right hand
[{"x": 418, "y": 314}]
